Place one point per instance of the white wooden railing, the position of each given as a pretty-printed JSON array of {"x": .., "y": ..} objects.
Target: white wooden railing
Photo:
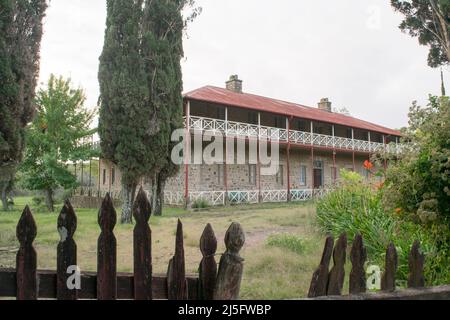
[
  {"x": 220, "y": 198},
  {"x": 238, "y": 129}
]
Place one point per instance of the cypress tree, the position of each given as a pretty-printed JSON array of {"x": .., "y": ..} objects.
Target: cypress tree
[
  {"x": 163, "y": 50},
  {"x": 125, "y": 122},
  {"x": 20, "y": 38},
  {"x": 140, "y": 91}
]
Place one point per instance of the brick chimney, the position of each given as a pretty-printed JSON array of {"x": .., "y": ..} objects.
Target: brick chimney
[
  {"x": 234, "y": 84},
  {"x": 325, "y": 105}
]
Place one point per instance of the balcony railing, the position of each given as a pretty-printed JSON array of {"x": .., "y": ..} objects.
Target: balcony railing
[{"x": 246, "y": 130}]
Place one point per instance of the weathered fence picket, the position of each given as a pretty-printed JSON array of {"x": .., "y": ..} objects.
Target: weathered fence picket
[
  {"x": 358, "y": 256},
  {"x": 337, "y": 273},
  {"x": 388, "y": 278},
  {"x": 66, "y": 252},
  {"x": 142, "y": 248},
  {"x": 26, "y": 260},
  {"x": 416, "y": 263},
  {"x": 319, "y": 281},
  {"x": 176, "y": 274},
  {"x": 208, "y": 265},
  {"x": 107, "y": 252},
  {"x": 231, "y": 265}
]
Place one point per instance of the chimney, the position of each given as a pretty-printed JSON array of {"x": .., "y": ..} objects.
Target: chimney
[
  {"x": 325, "y": 105},
  {"x": 234, "y": 84}
]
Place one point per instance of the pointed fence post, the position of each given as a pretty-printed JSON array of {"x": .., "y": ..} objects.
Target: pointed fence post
[
  {"x": 208, "y": 265},
  {"x": 26, "y": 259},
  {"x": 142, "y": 246},
  {"x": 318, "y": 287},
  {"x": 66, "y": 252},
  {"x": 231, "y": 266},
  {"x": 358, "y": 257},
  {"x": 337, "y": 273},
  {"x": 107, "y": 252},
  {"x": 176, "y": 274},
  {"x": 416, "y": 262},
  {"x": 388, "y": 278}
]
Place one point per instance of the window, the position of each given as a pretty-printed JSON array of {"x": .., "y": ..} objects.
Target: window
[
  {"x": 318, "y": 164},
  {"x": 220, "y": 173},
  {"x": 280, "y": 175},
  {"x": 104, "y": 176},
  {"x": 252, "y": 174},
  {"x": 113, "y": 176},
  {"x": 303, "y": 170}
]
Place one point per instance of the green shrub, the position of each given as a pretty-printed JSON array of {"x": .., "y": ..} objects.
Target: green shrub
[
  {"x": 356, "y": 207},
  {"x": 287, "y": 241},
  {"x": 200, "y": 204}
]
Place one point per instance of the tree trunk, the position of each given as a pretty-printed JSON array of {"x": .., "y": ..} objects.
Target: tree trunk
[
  {"x": 158, "y": 197},
  {"x": 49, "y": 200},
  {"x": 128, "y": 193},
  {"x": 4, "y": 188}
]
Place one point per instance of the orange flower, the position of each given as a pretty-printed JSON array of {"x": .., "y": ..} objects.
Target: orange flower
[
  {"x": 368, "y": 165},
  {"x": 398, "y": 210}
]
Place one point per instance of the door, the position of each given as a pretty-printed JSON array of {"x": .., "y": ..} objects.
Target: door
[
  {"x": 318, "y": 178},
  {"x": 318, "y": 174}
]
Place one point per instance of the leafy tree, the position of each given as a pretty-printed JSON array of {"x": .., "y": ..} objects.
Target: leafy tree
[
  {"x": 55, "y": 138},
  {"x": 428, "y": 20},
  {"x": 20, "y": 38},
  {"x": 140, "y": 90}
]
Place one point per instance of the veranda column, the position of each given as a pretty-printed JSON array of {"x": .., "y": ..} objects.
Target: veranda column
[
  {"x": 353, "y": 142},
  {"x": 187, "y": 152},
  {"x": 312, "y": 158},
  {"x": 259, "y": 159},
  {"x": 225, "y": 166},
  {"x": 288, "y": 160},
  {"x": 385, "y": 151},
  {"x": 334, "y": 156}
]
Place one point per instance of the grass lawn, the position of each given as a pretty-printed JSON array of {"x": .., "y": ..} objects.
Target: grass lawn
[{"x": 279, "y": 270}]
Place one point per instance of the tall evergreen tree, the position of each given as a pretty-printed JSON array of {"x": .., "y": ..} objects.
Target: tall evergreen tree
[
  {"x": 20, "y": 38},
  {"x": 140, "y": 91},
  {"x": 429, "y": 21},
  {"x": 126, "y": 123},
  {"x": 163, "y": 50}
]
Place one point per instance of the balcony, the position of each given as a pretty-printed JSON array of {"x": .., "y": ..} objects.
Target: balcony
[{"x": 245, "y": 130}]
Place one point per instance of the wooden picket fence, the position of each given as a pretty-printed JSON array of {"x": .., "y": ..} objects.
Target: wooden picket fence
[
  {"x": 328, "y": 284},
  {"x": 219, "y": 283}
]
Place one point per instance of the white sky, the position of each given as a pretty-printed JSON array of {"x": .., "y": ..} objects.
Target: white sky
[{"x": 296, "y": 50}]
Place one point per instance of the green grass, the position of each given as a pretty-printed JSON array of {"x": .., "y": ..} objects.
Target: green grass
[
  {"x": 287, "y": 241},
  {"x": 270, "y": 272}
]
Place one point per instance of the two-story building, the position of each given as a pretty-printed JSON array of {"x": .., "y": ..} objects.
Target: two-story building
[{"x": 313, "y": 145}]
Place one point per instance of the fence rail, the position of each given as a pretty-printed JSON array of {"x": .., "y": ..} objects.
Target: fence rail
[{"x": 27, "y": 283}]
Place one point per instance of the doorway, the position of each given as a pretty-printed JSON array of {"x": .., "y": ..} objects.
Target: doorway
[{"x": 318, "y": 174}]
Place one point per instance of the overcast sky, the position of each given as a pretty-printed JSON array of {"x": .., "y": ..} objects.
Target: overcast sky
[{"x": 296, "y": 50}]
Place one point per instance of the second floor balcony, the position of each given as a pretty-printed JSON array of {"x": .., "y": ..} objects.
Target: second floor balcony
[{"x": 272, "y": 134}]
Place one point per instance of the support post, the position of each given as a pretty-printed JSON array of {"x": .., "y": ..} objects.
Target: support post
[
  {"x": 187, "y": 153},
  {"x": 288, "y": 160},
  {"x": 334, "y": 156},
  {"x": 385, "y": 153},
  {"x": 225, "y": 166},
  {"x": 259, "y": 161}
]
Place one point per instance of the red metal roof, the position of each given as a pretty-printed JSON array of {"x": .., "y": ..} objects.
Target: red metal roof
[{"x": 259, "y": 103}]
